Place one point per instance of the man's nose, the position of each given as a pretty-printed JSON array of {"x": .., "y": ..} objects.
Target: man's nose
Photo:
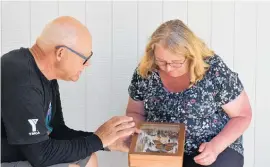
[{"x": 87, "y": 63}]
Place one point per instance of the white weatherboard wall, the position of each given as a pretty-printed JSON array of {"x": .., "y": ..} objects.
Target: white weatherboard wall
[{"x": 237, "y": 31}]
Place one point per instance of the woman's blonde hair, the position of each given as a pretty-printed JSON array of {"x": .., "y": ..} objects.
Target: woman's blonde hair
[{"x": 174, "y": 35}]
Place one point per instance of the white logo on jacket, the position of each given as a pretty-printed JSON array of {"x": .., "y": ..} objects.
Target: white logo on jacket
[{"x": 33, "y": 123}]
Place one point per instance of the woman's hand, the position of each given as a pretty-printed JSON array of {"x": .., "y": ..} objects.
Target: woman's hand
[{"x": 208, "y": 154}]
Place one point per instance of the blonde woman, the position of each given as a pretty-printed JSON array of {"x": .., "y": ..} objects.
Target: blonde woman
[{"x": 181, "y": 80}]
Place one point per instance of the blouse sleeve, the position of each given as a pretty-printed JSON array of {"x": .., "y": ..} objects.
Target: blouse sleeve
[
  {"x": 228, "y": 85},
  {"x": 137, "y": 87}
]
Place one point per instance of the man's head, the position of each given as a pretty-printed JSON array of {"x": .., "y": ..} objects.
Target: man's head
[{"x": 67, "y": 43}]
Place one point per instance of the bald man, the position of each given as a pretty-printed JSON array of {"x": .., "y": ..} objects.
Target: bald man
[{"x": 33, "y": 129}]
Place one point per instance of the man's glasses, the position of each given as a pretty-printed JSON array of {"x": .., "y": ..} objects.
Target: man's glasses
[{"x": 77, "y": 53}]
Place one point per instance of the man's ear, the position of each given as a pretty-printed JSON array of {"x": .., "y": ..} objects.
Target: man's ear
[{"x": 60, "y": 53}]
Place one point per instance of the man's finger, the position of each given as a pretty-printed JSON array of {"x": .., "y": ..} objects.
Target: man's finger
[
  {"x": 125, "y": 133},
  {"x": 120, "y": 120},
  {"x": 137, "y": 130},
  {"x": 124, "y": 126}
]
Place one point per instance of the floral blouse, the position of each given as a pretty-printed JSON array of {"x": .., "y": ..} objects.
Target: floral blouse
[{"x": 198, "y": 107}]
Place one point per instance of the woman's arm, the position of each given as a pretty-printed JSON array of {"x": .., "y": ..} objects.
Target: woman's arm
[
  {"x": 239, "y": 110},
  {"x": 135, "y": 109}
]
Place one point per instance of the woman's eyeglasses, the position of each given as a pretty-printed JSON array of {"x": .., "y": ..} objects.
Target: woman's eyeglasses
[{"x": 174, "y": 64}]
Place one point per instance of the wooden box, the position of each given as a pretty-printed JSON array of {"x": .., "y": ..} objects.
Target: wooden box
[{"x": 158, "y": 145}]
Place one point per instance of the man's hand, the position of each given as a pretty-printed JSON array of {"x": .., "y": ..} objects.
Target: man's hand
[
  {"x": 122, "y": 144},
  {"x": 119, "y": 145},
  {"x": 115, "y": 128}
]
